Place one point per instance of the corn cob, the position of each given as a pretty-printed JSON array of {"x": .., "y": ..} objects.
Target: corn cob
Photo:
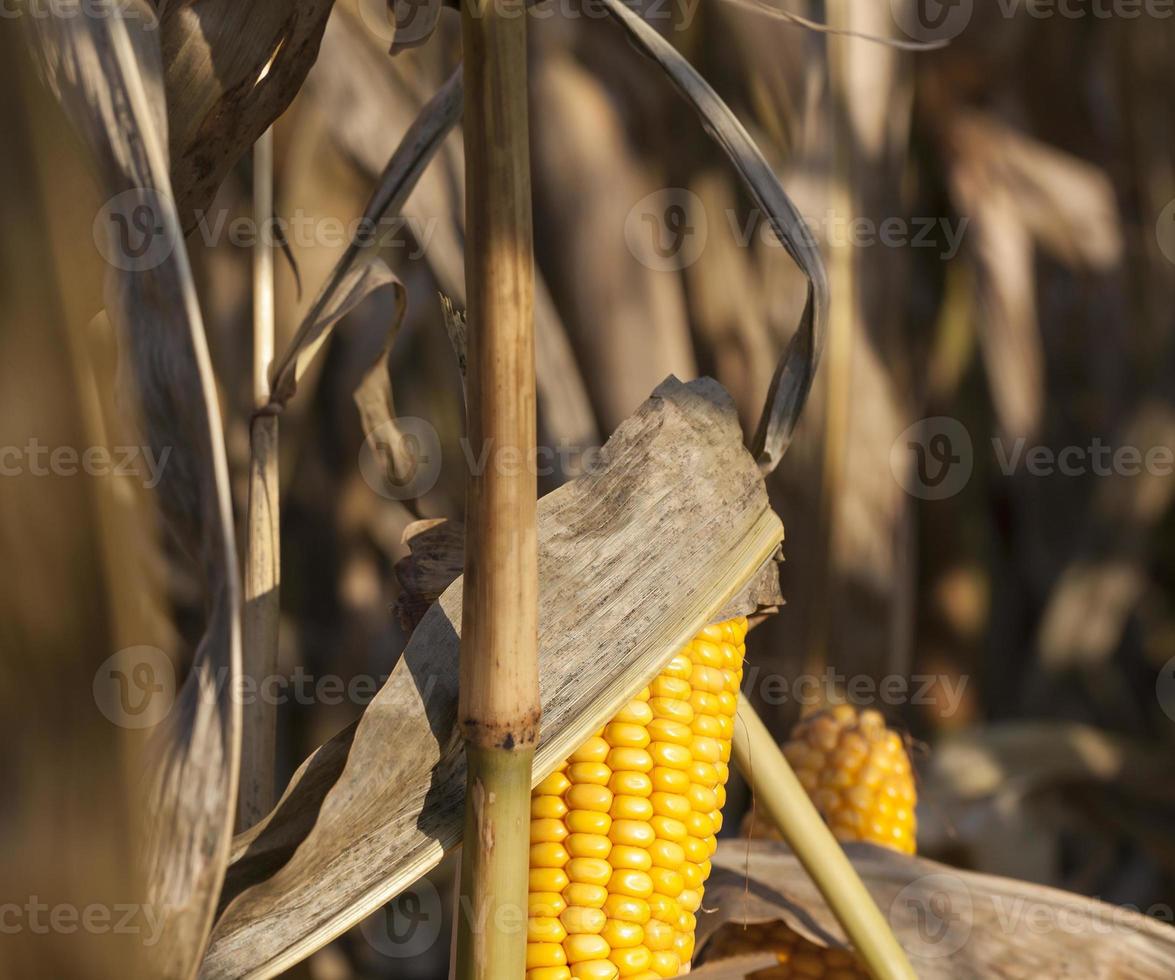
[
  {"x": 858, "y": 774},
  {"x": 623, "y": 831},
  {"x": 798, "y": 957}
]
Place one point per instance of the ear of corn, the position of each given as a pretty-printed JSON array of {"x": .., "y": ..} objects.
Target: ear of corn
[
  {"x": 798, "y": 957},
  {"x": 623, "y": 831},
  {"x": 858, "y": 774}
]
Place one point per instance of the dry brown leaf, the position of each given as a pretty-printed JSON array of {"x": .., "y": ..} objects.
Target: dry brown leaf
[
  {"x": 637, "y": 555},
  {"x": 952, "y": 924},
  {"x": 231, "y": 69}
]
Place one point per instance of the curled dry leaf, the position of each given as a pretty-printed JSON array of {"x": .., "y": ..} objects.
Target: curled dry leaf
[
  {"x": 951, "y": 923},
  {"x": 107, "y": 72},
  {"x": 793, "y": 376},
  {"x": 435, "y": 561},
  {"x": 231, "y": 69},
  {"x": 633, "y": 559}
]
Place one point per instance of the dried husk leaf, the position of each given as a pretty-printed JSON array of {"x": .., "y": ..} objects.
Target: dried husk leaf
[
  {"x": 634, "y": 558},
  {"x": 952, "y": 924}
]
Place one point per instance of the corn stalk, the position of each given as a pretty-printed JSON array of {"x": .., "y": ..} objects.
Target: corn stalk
[{"x": 499, "y": 690}]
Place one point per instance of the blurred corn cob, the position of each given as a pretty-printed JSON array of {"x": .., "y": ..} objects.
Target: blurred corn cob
[
  {"x": 858, "y": 774},
  {"x": 622, "y": 833}
]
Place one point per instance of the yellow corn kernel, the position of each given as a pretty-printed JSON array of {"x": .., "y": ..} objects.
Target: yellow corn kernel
[
  {"x": 589, "y": 772},
  {"x": 622, "y": 833},
  {"x": 598, "y": 969},
  {"x": 635, "y": 884},
  {"x": 659, "y": 935},
  {"x": 631, "y": 783},
  {"x": 582, "y": 947},
  {"x": 547, "y": 830},
  {"x": 547, "y": 880},
  {"x": 589, "y": 871},
  {"x": 587, "y": 796},
  {"x": 595, "y": 749},
  {"x": 629, "y": 759},
  {"x": 635, "y": 833},
  {"x": 627, "y": 856},
  {"x": 544, "y": 954},
  {"x": 672, "y": 709},
  {"x": 631, "y": 807},
  {"x": 545, "y": 929},
  {"x": 620, "y": 934},
  {"x": 584, "y": 894},
  {"x": 581, "y": 921},
  {"x": 547, "y": 808},
  {"x": 549, "y": 973},
  {"x": 625, "y": 735},
  {"x": 587, "y": 822},
  {"x": 632, "y": 961},
  {"x": 543, "y": 904},
  {"x": 627, "y": 909},
  {"x": 548, "y": 855},
  {"x": 635, "y": 713}
]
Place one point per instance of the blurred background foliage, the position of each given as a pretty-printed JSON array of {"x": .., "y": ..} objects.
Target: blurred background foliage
[{"x": 1033, "y": 614}]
